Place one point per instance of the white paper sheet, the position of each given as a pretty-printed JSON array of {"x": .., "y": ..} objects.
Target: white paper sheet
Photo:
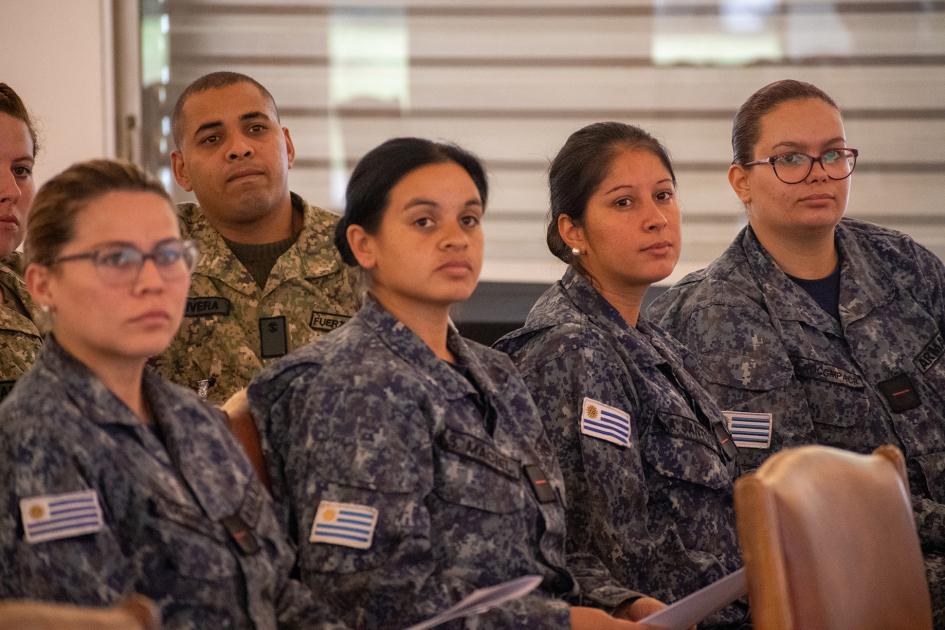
[
  {"x": 483, "y": 599},
  {"x": 696, "y": 606}
]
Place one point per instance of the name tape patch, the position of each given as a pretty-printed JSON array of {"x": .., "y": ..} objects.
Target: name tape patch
[
  {"x": 750, "y": 430},
  {"x": 605, "y": 423},
  {"x": 56, "y": 516},
  {"x": 207, "y": 306},
  {"x": 345, "y": 524},
  {"x": 931, "y": 353},
  {"x": 326, "y": 321}
]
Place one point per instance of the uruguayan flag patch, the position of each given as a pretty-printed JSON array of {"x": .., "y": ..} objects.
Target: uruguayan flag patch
[
  {"x": 56, "y": 516},
  {"x": 605, "y": 422},
  {"x": 347, "y": 524},
  {"x": 749, "y": 430}
]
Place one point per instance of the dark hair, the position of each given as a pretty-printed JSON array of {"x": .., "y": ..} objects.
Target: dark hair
[
  {"x": 379, "y": 171},
  {"x": 212, "y": 81},
  {"x": 12, "y": 105},
  {"x": 582, "y": 164},
  {"x": 52, "y": 216},
  {"x": 746, "y": 128}
]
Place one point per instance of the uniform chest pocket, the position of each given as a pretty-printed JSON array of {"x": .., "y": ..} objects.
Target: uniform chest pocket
[
  {"x": 683, "y": 449},
  {"x": 194, "y": 546},
  {"x": 473, "y": 473},
  {"x": 836, "y": 397}
]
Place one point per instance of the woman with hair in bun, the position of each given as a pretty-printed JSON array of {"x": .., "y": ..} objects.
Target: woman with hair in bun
[
  {"x": 813, "y": 327},
  {"x": 647, "y": 462},
  {"x": 112, "y": 480},
  {"x": 411, "y": 463},
  {"x": 20, "y": 339}
]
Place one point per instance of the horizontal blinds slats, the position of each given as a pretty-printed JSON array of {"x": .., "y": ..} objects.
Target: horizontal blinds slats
[{"x": 510, "y": 81}]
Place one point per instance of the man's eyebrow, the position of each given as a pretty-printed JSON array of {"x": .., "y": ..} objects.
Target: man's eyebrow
[
  {"x": 208, "y": 125},
  {"x": 254, "y": 115},
  {"x": 212, "y": 124}
]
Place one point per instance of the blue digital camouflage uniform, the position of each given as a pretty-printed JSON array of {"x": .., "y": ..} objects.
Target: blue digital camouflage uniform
[
  {"x": 184, "y": 521},
  {"x": 370, "y": 417},
  {"x": 232, "y": 328},
  {"x": 875, "y": 377},
  {"x": 660, "y": 510},
  {"x": 20, "y": 339}
]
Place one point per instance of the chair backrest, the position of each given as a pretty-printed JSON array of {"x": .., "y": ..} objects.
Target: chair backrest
[
  {"x": 136, "y": 612},
  {"x": 829, "y": 542}
]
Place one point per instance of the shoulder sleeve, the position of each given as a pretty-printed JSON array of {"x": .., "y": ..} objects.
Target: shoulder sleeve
[{"x": 66, "y": 564}]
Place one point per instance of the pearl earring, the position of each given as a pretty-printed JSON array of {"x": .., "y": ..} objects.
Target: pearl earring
[{"x": 575, "y": 251}]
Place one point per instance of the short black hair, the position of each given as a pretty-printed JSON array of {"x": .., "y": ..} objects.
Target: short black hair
[
  {"x": 212, "y": 81},
  {"x": 382, "y": 168},
  {"x": 582, "y": 164}
]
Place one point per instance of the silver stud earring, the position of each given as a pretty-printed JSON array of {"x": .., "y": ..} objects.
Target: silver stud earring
[{"x": 575, "y": 251}]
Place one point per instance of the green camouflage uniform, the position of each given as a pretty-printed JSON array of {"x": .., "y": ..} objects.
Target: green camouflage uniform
[
  {"x": 232, "y": 328},
  {"x": 20, "y": 338}
]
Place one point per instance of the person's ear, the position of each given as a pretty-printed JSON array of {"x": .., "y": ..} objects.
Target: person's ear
[
  {"x": 289, "y": 146},
  {"x": 572, "y": 234},
  {"x": 738, "y": 180},
  {"x": 180, "y": 171},
  {"x": 37, "y": 279},
  {"x": 362, "y": 245}
]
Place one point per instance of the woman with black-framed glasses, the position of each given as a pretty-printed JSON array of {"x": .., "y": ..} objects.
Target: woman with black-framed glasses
[
  {"x": 815, "y": 328},
  {"x": 112, "y": 480}
]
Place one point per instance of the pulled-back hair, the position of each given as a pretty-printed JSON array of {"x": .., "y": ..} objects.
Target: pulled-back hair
[
  {"x": 12, "y": 105},
  {"x": 580, "y": 167},
  {"x": 746, "y": 128},
  {"x": 52, "y": 217},
  {"x": 382, "y": 168},
  {"x": 212, "y": 81}
]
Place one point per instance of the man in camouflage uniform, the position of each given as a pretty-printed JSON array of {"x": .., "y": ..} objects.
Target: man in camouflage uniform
[
  {"x": 408, "y": 482},
  {"x": 648, "y": 463},
  {"x": 269, "y": 279},
  {"x": 875, "y": 376},
  {"x": 97, "y": 505},
  {"x": 20, "y": 338}
]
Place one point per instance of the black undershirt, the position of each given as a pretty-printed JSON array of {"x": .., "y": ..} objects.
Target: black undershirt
[{"x": 825, "y": 291}]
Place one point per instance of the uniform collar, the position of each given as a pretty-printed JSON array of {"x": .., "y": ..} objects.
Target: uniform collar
[
  {"x": 408, "y": 346},
  {"x": 312, "y": 255},
  {"x": 574, "y": 300},
  {"x": 863, "y": 286},
  {"x": 179, "y": 450},
  {"x": 784, "y": 299}
]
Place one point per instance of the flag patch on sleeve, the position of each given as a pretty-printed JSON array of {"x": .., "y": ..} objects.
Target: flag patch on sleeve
[
  {"x": 749, "y": 430},
  {"x": 605, "y": 422},
  {"x": 346, "y": 524},
  {"x": 56, "y": 516}
]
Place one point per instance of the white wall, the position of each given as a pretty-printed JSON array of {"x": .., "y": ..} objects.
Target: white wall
[{"x": 57, "y": 55}]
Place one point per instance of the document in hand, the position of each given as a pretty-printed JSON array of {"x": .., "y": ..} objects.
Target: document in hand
[
  {"x": 695, "y": 607},
  {"x": 482, "y": 600}
]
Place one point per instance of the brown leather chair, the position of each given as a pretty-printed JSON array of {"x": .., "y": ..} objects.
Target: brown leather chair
[
  {"x": 243, "y": 427},
  {"x": 829, "y": 542},
  {"x": 134, "y": 613}
]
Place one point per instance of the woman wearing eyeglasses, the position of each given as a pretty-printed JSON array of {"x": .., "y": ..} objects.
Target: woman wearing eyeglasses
[
  {"x": 812, "y": 327},
  {"x": 113, "y": 481},
  {"x": 20, "y": 338}
]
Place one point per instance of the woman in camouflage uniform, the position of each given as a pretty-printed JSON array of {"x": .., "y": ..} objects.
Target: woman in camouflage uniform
[
  {"x": 411, "y": 463},
  {"x": 647, "y": 461},
  {"x": 112, "y": 480},
  {"x": 819, "y": 327},
  {"x": 20, "y": 339}
]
